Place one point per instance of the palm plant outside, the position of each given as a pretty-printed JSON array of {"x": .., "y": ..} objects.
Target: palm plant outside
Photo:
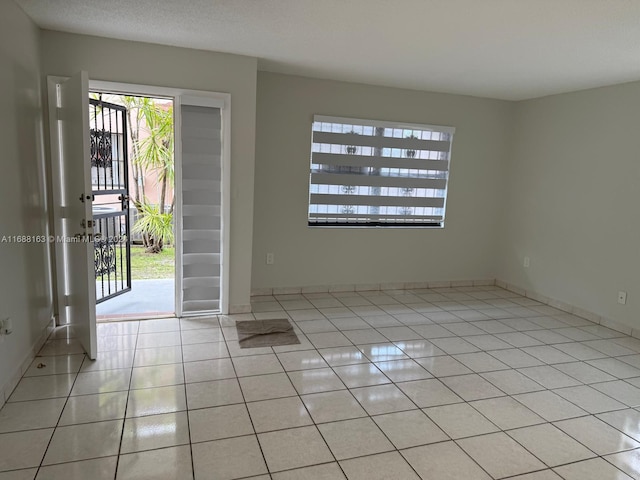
[{"x": 151, "y": 132}]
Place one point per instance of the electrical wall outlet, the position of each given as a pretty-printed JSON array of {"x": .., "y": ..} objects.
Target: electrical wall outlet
[
  {"x": 270, "y": 259},
  {"x": 527, "y": 262},
  {"x": 622, "y": 298}
]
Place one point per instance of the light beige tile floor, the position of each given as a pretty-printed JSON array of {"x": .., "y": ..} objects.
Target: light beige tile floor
[{"x": 448, "y": 383}]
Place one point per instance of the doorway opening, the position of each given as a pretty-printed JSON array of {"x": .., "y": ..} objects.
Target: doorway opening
[
  {"x": 202, "y": 201},
  {"x": 133, "y": 188}
]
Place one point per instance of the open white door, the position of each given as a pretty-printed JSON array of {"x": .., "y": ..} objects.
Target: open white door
[
  {"x": 73, "y": 201},
  {"x": 202, "y": 200}
]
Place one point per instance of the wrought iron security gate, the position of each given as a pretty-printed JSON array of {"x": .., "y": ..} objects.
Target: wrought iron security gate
[{"x": 110, "y": 188}]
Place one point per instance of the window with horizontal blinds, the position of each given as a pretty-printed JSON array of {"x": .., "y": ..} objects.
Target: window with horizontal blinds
[
  {"x": 377, "y": 173},
  {"x": 201, "y": 208}
]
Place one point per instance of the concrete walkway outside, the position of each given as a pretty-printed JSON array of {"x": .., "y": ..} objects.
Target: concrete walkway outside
[{"x": 146, "y": 298}]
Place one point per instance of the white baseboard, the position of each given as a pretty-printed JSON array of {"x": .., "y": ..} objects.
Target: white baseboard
[
  {"x": 233, "y": 309},
  {"x": 573, "y": 309},
  {"x": 368, "y": 287},
  {"x": 10, "y": 385}
]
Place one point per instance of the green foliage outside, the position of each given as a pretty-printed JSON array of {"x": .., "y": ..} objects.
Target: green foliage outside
[
  {"x": 152, "y": 265},
  {"x": 155, "y": 225},
  {"x": 150, "y": 128},
  {"x": 151, "y": 152}
]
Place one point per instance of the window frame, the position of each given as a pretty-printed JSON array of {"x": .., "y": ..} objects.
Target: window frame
[{"x": 438, "y": 181}]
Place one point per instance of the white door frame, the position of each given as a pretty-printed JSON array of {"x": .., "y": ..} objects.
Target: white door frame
[
  {"x": 217, "y": 99},
  {"x": 56, "y": 190},
  {"x": 68, "y": 104}
]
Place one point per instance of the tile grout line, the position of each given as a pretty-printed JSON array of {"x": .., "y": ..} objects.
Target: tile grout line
[
  {"x": 60, "y": 416},
  {"x": 298, "y": 396},
  {"x": 126, "y": 406},
  {"x": 186, "y": 398},
  {"x": 255, "y": 434}
]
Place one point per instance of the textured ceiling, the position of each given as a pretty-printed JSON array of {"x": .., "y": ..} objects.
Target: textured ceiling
[{"x": 509, "y": 49}]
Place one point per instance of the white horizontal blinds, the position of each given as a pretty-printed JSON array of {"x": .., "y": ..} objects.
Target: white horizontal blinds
[
  {"x": 201, "y": 208},
  {"x": 366, "y": 172}
]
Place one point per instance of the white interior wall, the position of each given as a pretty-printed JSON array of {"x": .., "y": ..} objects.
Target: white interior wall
[
  {"x": 147, "y": 64},
  {"x": 25, "y": 293},
  {"x": 573, "y": 204},
  {"x": 465, "y": 249}
]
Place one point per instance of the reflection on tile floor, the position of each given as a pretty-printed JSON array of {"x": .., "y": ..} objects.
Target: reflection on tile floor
[{"x": 460, "y": 383}]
